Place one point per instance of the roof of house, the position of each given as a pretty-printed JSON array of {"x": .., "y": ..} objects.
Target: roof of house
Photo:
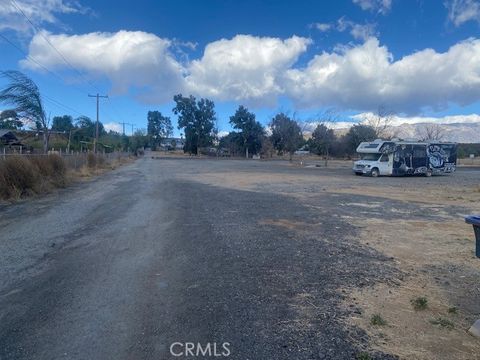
[
  {"x": 8, "y": 137},
  {"x": 7, "y": 133}
]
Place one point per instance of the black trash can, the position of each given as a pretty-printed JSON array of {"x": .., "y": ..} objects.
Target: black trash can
[{"x": 475, "y": 221}]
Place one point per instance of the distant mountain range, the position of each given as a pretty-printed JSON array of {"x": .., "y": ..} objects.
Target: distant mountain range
[{"x": 455, "y": 132}]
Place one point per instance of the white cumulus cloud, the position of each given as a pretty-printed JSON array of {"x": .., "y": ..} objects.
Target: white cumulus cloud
[
  {"x": 222, "y": 133},
  {"x": 244, "y": 67},
  {"x": 113, "y": 126},
  {"x": 366, "y": 76},
  {"x": 127, "y": 58},
  {"x": 257, "y": 70},
  {"x": 39, "y": 12}
]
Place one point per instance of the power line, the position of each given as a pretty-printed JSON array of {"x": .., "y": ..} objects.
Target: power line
[
  {"x": 55, "y": 102},
  {"x": 29, "y": 57},
  {"x": 54, "y": 74},
  {"x": 65, "y": 107},
  {"x": 32, "y": 59},
  {"x": 14, "y": 3},
  {"x": 117, "y": 114}
]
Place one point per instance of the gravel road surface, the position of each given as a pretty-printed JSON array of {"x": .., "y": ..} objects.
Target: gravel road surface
[{"x": 124, "y": 265}]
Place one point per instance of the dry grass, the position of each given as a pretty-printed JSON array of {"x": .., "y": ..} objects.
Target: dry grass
[
  {"x": 21, "y": 176},
  {"x": 93, "y": 160},
  {"x": 98, "y": 165},
  {"x": 52, "y": 168},
  {"x": 18, "y": 177}
]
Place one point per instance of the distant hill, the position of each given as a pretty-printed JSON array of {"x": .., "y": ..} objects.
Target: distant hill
[{"x": 456, "y": 132}]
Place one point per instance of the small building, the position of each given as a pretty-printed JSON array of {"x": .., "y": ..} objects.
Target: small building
[
  {"x": 10, "y": 143},
  {"x": 8, "y": 138}
]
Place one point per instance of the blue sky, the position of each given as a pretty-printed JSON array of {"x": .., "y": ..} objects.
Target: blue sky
[{"x": 417, "y": 58}]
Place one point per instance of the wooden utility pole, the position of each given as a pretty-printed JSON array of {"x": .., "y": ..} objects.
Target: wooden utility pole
[
  {"x": 123, "y": 126},
  {"x": 95, "y": 142}
]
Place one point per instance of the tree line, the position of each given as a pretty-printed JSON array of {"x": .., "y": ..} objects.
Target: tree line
[
  {"x": 23, "y": 97},
  {"x": 196, "y": 118},
  {"x": 283, "y": 134}
]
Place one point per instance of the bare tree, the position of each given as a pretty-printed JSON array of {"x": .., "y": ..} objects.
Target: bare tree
[
  {"x": 431, "y": 132},
  {"x": 381, "y": 122}
]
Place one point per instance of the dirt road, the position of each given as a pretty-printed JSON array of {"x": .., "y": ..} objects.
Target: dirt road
[{"x": 164, "y": 251}]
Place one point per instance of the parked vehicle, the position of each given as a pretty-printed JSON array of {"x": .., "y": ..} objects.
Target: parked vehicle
[{"x": 400, "y": 157}]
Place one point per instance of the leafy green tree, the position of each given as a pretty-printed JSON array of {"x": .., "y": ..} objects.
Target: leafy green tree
[
  {"x": 24, "y": 95},
  {"x": 158, "y": 127},
  {"x": 62, "y": 123},
  {"x": 9, "y": 120},
  {"x": 233, "y": 142},
  {"x": 197, "y": 118},
  {"x": 286, "y": 134},
  {"x": 138, "y": 140},
  {"x": 267, "y": 150},
  {"x": 322, "y": 141},
  {"x": 358, "y": 134},
  {"x": 114, "y": 140},
  {"x": 85, "y": 129},
  {"x": 251, "y": 131}
]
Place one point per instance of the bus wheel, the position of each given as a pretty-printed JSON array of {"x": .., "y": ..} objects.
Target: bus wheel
[
  {"x": 428, "y": 173},
  {"x": 374, "y": 172}
]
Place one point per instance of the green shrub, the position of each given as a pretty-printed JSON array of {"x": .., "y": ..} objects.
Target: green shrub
[
  {"x": 442, "y": 322},
  {"x": 377, "y": 320},
  {"x": 452, "y": 310},
  {"x": 363, "y": 356},
  {"x": 419, "y": 303}
]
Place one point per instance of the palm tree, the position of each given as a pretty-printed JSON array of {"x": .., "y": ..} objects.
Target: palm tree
[{"x": 23, "y": 94}]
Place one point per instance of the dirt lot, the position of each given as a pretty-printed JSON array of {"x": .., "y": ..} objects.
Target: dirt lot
[
  {"x": 282, "y": 260},
  {"x": 415, "y": 221}
]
